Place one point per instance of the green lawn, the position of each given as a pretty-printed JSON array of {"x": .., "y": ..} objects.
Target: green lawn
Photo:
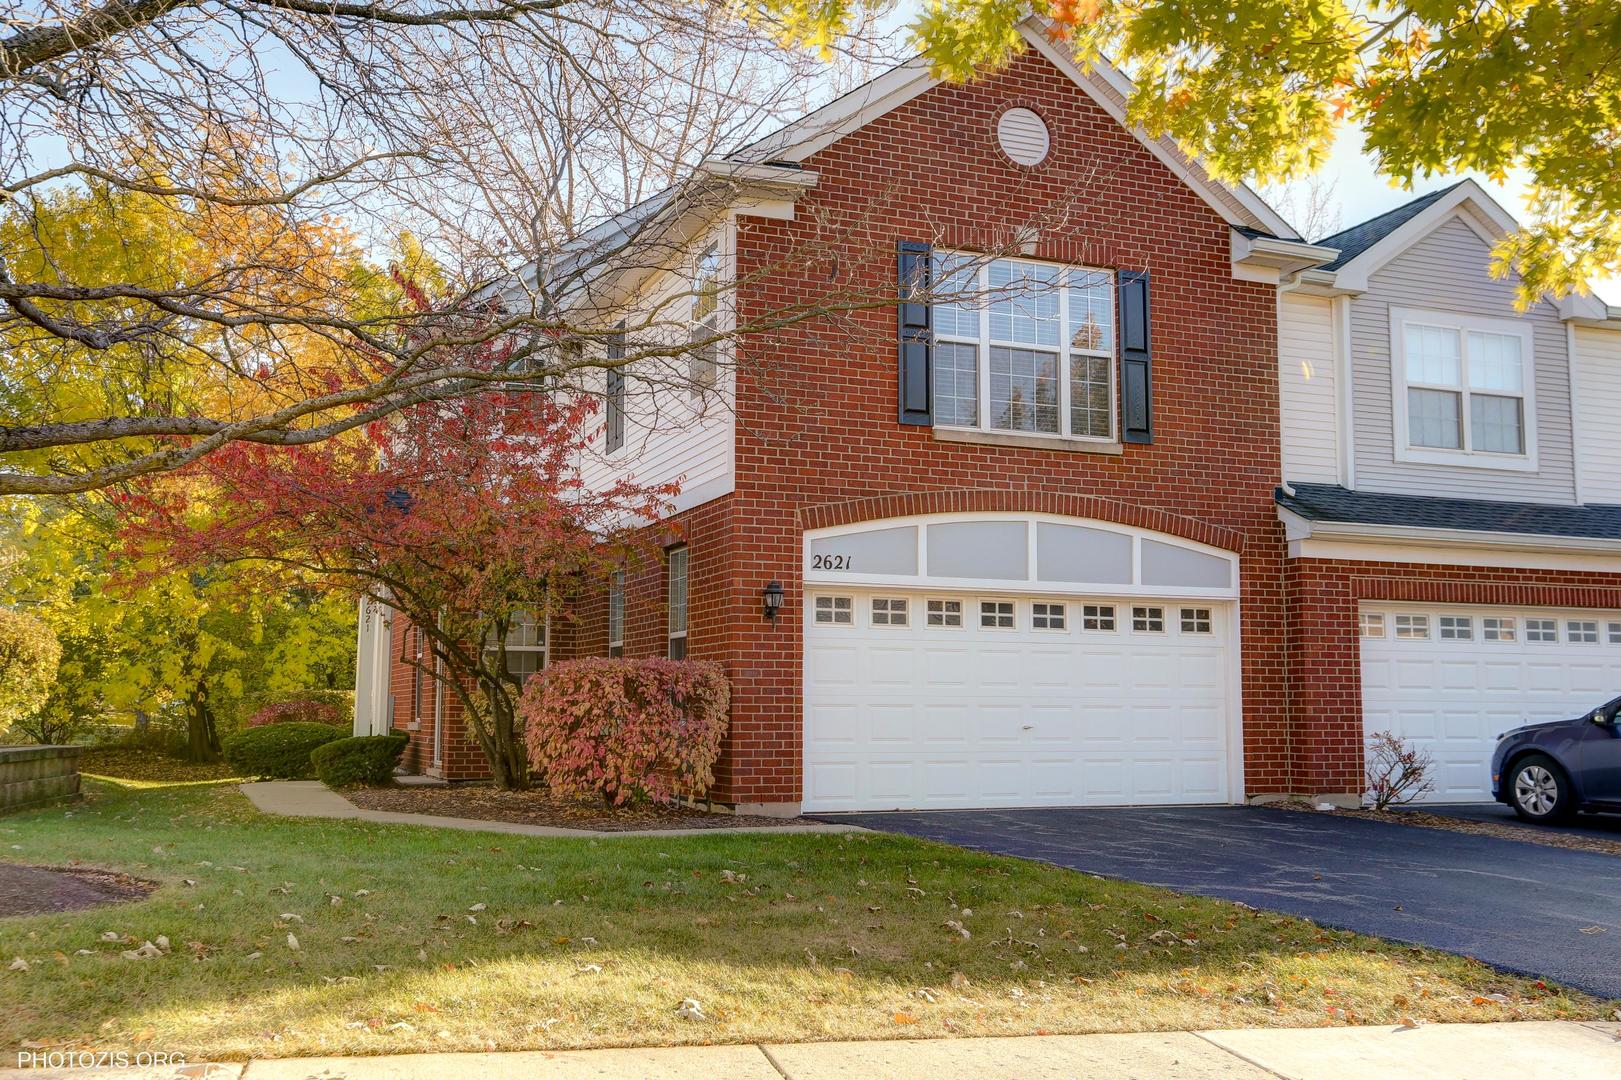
[{"x": 413, "y": 939}]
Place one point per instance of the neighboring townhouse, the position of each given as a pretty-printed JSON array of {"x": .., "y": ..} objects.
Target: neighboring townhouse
[
  {"x": 1035, "y": 551},
  {"x": 1452, "y": 497}
]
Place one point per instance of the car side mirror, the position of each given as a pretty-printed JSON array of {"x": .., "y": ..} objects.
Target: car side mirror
[{"x": 1600, "y": 718}]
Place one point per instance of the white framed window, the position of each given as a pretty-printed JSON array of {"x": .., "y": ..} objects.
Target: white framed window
[
  {"x": 835, "y": 610},
  {"x": 1498, "y": 628},
  {"x": 1615, "y": 633},
  {"x": 1148, "y": 620},
  {"x": 1457, "y": 628},
  {"x": 1465, "y": 389},
  {"x": 888, "y": 611},
  {"x": 1097, "y": 617},
  {"x": 1413, "y": 627},
  {"x": 677, "y": 563},
  {"x": 1581, "y": 631},
  {"x": 525, "y": 645},
  {"x": 1048, "y": 616},
  {"x": 1196, "y": 620},
  {"x": 1543, "y": 631},
  {"x": 1373, "y": 624},
  {"x": 943, "y": 613},
  {"x": 1023, "y": 346},
  {"x": 616, "y": 613},
  {"x": 996, "y": 614},
  {"x": 704, "y": 321}
]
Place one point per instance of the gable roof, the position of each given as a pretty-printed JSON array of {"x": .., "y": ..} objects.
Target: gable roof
[
  {"x": 1237, "y": 204},
  {"x": 1359, "y": 238}
]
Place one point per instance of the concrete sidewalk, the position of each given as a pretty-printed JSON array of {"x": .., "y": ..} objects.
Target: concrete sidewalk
[
  {"x": 1527, "y": 1051},
  {"x": 311, "y": 798}
]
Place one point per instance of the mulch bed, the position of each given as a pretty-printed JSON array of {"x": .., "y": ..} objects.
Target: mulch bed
[
  {"x": 38, "y": 890},
  {"x": 485, "y": 803},
  {"x": 1527, "y": 833}
]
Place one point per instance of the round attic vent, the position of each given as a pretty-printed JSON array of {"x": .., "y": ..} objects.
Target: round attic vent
[{"x": 1023, "y": 136}]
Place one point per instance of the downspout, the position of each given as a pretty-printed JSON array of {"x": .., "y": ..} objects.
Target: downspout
[{"x": 438, "y": 706}]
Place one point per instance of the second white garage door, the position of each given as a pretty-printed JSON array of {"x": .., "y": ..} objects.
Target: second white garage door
[
  {"x": 937, "y": 700},
  {"x": 1453, "y": 679}
]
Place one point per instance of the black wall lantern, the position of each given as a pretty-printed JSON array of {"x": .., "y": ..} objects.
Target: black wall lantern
[{"x": 773, "y": 599}]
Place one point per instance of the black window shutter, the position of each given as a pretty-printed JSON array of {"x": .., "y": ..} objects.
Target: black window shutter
[
  {"x": 916, "y": 361},
  {"x": 1136, "y": 376}
]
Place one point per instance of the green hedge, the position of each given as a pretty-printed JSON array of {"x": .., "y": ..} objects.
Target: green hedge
[
  {"x": 278, "y": 751},
  {"x": 361, "y": 759}
]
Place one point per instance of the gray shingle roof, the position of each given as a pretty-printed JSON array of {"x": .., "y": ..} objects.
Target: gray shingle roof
[
  {"x": 1331, "y": 503},
  {"x": 1359, "y": 238}
]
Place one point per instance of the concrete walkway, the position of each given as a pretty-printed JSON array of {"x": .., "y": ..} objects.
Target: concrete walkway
[
  {"x": 311, "y": 798},
  {"x": 1528, "y": 1051}
]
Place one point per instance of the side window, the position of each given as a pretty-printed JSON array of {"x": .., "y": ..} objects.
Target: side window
[
  {"x": 676, "y": 602},
  {"x": 615, "y": 403},
  {"x": 702, "y": 367},
  {"x": 616, "y": 613}
]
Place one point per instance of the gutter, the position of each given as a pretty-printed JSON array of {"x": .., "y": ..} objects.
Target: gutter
[{"x": 1297, "y": 527}]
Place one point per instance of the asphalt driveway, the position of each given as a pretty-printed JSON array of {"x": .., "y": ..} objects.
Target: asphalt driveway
[{"x": 1519, "y": 906}]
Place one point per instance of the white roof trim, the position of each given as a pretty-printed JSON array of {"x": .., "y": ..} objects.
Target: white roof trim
[{"x": 1236, "y": 204}]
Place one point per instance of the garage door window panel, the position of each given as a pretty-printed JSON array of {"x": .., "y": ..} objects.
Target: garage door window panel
[
  {"x": 835, "y": 610},
  {"x": 1098, "y": 617},
  {"x": 1581, "y": 632},
  {"x": 1048, "y": 616},
  {"x": 1413, "y": 627},
  {"x": 1373, "y": 624},
  {"x": 1457, "y": 628},
  {"x": 1148, "y": 620},
  {"x": 996, "y": 615},
  {"x": 1498, "y": 628},
  {"x": 1542, "y": 631},
  {"x": 889, "y": 611},
  {"x": 1196, "y": 620},
  {"x": 946, "y": 614}
]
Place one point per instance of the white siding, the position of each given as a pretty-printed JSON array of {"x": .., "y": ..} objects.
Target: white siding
[
  {"x": 1447, "y": 271},
  {"x": 1306, "y": 389},
  {"x": 671, "y": 435},
  {"x": 1598, "y": 413}
]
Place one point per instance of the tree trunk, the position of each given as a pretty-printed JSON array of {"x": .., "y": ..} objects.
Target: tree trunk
[
  {"x": 510, "y": 761},
  {"x": 202, "y": 734}
]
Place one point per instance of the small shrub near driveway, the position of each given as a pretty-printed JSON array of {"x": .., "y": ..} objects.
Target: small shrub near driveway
[
  {"x": 299, "y": 710},
  {"x": 620, "y": 728},
  {"x": 1398, "y": 771},
  {"x": 280, "y": 751},
  {"x": 362, "y": 760}
]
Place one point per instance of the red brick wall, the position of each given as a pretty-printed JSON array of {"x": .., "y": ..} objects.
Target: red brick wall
[
  {"x": 1325, "y": 647},
  {"x": 816, "y": 413}
]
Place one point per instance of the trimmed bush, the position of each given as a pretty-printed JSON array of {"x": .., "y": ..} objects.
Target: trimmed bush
[
  {"x": 300, "y": 710},
  {"x": 280, "y": 751},
  {"x": 620, "y": 728},
  {"x": 367, "y": 760}
]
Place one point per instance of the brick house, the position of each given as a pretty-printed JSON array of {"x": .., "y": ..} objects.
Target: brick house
[{"x": 1122, "y": 531}]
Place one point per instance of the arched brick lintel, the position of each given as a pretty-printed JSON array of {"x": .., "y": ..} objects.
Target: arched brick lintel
[{"x": 992, "y": 500}]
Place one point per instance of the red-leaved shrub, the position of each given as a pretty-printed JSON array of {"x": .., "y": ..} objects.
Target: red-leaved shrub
[
  {"x": 619, "y": 727},
  {"x": 298, "y": 711}
]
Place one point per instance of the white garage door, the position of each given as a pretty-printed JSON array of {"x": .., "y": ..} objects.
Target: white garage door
[
  {"x": 936, "y": 700},
  {"x": 1453, "y": 679}
]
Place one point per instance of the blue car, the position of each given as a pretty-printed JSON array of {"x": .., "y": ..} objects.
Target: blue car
[{"x": 1548, "y": 772}]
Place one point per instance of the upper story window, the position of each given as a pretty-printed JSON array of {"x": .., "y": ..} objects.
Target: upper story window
[
  {"x": 1023, "y": 346},
  {"x": 1464, "y": 390},
  {"x": 704, "y": 322}
]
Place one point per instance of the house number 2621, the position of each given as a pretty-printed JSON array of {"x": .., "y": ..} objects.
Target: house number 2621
[{"x": 830, "y": 562}]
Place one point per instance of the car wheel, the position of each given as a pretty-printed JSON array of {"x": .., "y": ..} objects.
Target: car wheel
[{"x": 1540, "y": 790}]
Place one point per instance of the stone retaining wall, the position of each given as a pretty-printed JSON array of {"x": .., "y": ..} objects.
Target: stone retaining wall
[{"x": 38, "y": 775}]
